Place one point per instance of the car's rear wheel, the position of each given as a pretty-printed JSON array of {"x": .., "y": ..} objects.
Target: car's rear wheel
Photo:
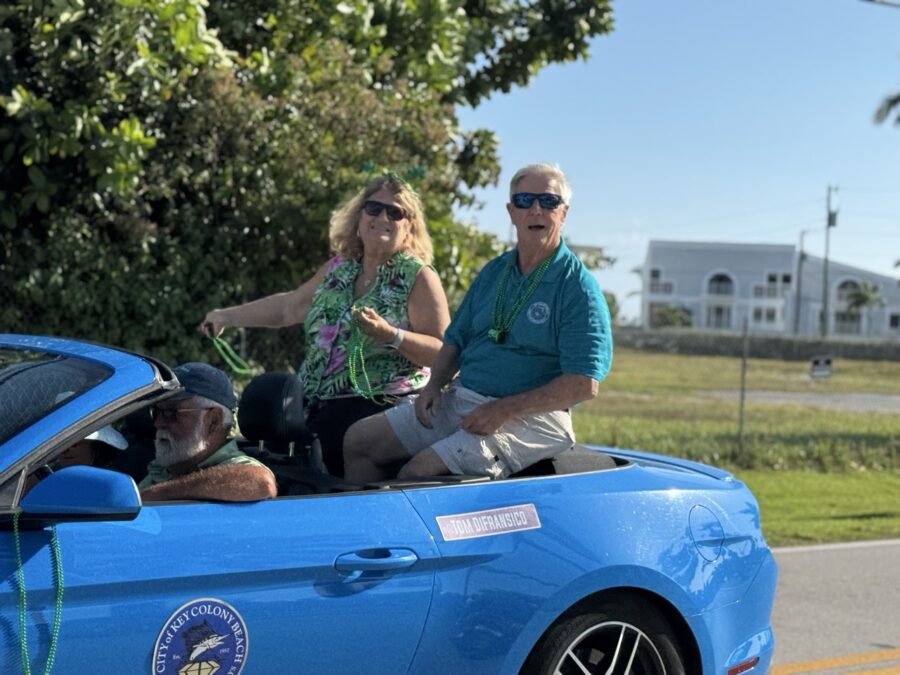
[{"x": 610, "y": 639}]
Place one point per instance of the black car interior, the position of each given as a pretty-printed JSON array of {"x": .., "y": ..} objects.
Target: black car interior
[{"x": 271, "y": 417}]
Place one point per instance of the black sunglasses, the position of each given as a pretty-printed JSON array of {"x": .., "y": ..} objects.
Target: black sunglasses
[
  {"x": 524, "y": 200},
  {"x": 374, "y": 208},
  {"x": 170, "y": 414}
]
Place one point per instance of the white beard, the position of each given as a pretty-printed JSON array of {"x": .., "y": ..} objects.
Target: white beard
[{"x": 170, "y": 451}]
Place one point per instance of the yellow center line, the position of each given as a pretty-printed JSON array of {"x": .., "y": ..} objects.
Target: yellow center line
[
  {"x": 841, "y": 661},
  {"x": 890, "y": 670}
]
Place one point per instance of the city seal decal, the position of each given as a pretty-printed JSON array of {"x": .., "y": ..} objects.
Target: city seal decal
[
  {"x": 538, "y": 312},
  {"x": 203, "y": 637},
  {"x": 489, "y": 523}
]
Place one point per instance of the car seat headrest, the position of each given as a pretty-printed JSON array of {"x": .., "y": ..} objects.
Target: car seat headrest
[
  {"x": 139, "y": 424},
  {"x": 271, "y": 409}
]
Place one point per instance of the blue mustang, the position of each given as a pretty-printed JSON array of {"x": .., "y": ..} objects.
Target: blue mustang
[{"x": 601, "y": 561}]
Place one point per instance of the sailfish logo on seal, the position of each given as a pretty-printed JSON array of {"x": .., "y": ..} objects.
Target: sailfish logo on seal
[
  {"x": 202, "y": 637},
  {"x": 199, "y": 639}
]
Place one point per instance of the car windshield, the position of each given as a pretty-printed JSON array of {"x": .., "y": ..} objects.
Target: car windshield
[{"x": 34, "y": 383}]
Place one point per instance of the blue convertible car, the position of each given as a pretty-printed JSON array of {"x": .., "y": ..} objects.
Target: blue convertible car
[{"x": 602, "y": 561}]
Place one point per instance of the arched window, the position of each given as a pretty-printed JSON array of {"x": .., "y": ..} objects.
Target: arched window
[
  {"x": 846, "y": 289},
  {"x": 720, "y": 284}
]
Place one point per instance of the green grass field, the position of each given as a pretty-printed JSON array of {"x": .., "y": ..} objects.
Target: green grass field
[
  {"x": 802, "y": 507},
  {"x": 820, "y": 474}
]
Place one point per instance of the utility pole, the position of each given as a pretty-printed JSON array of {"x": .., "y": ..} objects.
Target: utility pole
[
  {"x": 744, "y": 353},
  {"x": 831, "y": 222}
]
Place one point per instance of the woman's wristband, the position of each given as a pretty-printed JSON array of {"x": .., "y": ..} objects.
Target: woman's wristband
[{"x": 398, "y": 339}]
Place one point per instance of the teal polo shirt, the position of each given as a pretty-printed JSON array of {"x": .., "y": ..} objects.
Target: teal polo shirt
[
  {"x": 564, "y": 327},
  {"x": 227, "y": 454}
]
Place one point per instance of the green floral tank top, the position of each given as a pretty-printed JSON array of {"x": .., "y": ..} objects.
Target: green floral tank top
[{"x": 324, "y": 371}]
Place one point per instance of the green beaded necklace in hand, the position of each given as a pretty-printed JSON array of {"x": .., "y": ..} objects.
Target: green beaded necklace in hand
[
  {"x": 500, "y": 325},
  {"x": 356, "y": 363}
]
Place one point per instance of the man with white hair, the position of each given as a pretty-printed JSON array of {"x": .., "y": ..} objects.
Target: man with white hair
[
  {"x": 194, "y": 457},
  {"x": 530, "y": 340}
]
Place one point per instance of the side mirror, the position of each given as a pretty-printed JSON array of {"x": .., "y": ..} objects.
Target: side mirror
[{"x": 80, "y": 493}]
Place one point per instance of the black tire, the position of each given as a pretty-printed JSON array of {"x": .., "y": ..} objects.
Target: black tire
[{"x": 590, "y": 642}]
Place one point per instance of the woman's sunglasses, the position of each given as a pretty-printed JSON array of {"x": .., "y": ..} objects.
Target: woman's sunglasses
[
  {"x": 374, "y": 208},
  {"x": 524, "y": 200}
]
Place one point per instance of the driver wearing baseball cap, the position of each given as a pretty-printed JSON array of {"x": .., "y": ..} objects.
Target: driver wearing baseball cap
[{"x": 195, "y": 459}]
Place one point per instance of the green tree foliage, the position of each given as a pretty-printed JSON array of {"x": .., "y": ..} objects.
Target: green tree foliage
[
  {"x": 669, "y": 316},
  {"x": 463, "y": 50},
  {"x": 864, "y": 298},
  {"x": 158, "y": 159},
  {"x": 613, "y": 304}
]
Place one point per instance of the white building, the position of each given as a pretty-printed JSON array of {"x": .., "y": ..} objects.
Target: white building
[{"x": 715, "y": 286}]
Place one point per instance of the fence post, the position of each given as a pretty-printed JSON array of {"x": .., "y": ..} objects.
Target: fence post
[{"x": 746, "y": 349}]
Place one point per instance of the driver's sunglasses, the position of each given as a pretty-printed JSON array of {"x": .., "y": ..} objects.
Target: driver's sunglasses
[
  {"x": 524, "y": 200},
  {"x": 170, "y": 414},
  {"x": 374, "y": 208}
]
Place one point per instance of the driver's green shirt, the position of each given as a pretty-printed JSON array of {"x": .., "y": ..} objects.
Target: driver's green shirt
[{"x": 227, "y": 454}]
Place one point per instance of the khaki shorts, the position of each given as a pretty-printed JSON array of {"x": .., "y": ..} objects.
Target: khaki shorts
[{"x": 519, "y": 443}]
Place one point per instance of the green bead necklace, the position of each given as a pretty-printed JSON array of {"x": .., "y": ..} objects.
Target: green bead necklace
[
  {"x": 23, "y": 611},
  {"x": 356, "y": 365},
  {"x": 500, "y": 325}
]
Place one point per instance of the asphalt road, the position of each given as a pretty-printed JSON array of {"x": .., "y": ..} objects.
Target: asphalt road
[
  {"x": 888, "y": 404},
  {"x": 837, "y": 609}
]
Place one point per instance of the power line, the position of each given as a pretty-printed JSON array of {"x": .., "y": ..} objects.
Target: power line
[
  {"x": 792, "y": 228},
  {"x": 873, "y": 191},
  {"x": 693, "y": 224},
  {"x": 865, "y": 233},
  {"x": 874, "y": 214},
  {"x": 749, "y": 214}
]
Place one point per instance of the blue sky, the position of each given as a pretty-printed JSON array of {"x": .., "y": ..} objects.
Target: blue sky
[{"x": 715, "y": 120}]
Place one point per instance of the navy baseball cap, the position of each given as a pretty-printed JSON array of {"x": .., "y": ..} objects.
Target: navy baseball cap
[{"x": 202, "y": 379}]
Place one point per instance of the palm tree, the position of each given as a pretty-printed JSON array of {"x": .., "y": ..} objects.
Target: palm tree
[
  {"x": 863, "y": 298},
  {"x": 889, "y": 106}
]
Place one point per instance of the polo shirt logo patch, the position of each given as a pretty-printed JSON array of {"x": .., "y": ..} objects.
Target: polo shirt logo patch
[{"x": 538, "y": 312}]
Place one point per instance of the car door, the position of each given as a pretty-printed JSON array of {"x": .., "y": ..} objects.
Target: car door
[
  {"x": 324, "y": 584},
  {"x": 507, "y": 549}
]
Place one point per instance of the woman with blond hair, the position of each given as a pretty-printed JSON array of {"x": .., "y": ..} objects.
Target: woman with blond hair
[{"x": 374, "y": 314}]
